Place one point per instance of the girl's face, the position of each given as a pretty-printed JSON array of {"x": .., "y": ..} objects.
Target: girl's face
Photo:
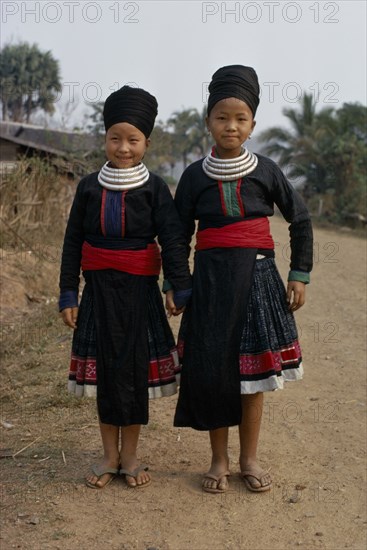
[
  {"x": 230, "y": 123},
  {"x": 125, "y": 145}
]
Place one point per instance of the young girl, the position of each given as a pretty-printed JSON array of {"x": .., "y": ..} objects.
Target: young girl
[
  {"x": 122, "y": 341},
  {"x": 238, "y": 337}
]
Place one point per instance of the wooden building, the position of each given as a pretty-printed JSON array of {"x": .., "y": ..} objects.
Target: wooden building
[{"x": 67, "y": 151}]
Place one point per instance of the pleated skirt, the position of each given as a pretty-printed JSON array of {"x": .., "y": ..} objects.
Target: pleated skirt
[
  {"x": 123, "y": 350},
  {"x": 268, "y": 352}
]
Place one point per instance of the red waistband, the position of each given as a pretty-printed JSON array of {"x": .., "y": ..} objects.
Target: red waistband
[
  {"x": 245, "y": 234},
  {"x": 136, "y": 262}
]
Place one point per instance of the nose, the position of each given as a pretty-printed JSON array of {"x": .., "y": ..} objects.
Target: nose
[
  {"x": 231, "y": 125},
  {"x": 123, "y": 146}
]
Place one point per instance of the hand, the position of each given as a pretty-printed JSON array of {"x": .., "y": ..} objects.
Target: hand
[
  {"x": 69, "y": 316},
  {"x": 296, "y": 295},
  {"x": 170, "y": 305}
]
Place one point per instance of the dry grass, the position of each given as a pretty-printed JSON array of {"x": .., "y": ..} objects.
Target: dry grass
[{"x": 34, "y": 200}]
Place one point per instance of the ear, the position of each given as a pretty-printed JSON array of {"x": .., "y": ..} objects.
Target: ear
[
  {"x": 147, "y": 142},
  {"x": 253, "y": 124}
]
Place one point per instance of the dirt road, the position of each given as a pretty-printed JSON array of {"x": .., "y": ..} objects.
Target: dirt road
[{"x": 313, "y": 436}]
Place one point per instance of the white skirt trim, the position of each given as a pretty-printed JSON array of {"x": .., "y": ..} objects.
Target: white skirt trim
[
  {"x": 82, "y": 390},
  {"x": 163, "y": 391},
  {"x": 273, "y": 382}
]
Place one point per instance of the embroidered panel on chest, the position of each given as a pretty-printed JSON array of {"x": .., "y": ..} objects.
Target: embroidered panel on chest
[
  {"x": 113, "y": 213},
  {"x": 230, "y": 196}
]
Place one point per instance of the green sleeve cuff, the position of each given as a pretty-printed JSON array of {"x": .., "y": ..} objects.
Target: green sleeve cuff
[
  {"x": 166, "y": 286},
  {"x": 300, "y": 276}
]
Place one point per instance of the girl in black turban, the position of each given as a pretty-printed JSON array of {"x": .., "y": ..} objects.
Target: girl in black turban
[
  {"x": 235, "y": 81},
  {"x": 123, "y": 346},
  {"x": 133, "y": 105},
  {"x": 238, "y": 334}
]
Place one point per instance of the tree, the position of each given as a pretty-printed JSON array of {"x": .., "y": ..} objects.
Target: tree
[
  {"x": 160, "y": 154},
  {"x": 30, "y": 80},
  {"x": 183, "y": 125},
  {"x": 345, "y": 152},
  {"x": 94, "y": 122},
  {"x": 299, "y": 149},
  {"x": 199, "y": 137},
  {"x": 328, "y": 149}
]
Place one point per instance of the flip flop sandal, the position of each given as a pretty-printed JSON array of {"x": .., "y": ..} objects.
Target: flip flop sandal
[
  {"x": 134, "y": 474},
  {"x": 99, "y": 472},
  {"x": 217, "y": 479},
  {"x": 248, "y": 473}
]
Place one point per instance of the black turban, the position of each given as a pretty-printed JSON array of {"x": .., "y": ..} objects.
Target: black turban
[
  {"x": 235, "y": 81},
  {"x": 132, "y": 105}
]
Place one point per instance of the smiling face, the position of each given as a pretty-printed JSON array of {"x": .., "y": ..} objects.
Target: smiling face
[
  {"x": 125, "y": 145},
  {"x": 230, "y": 123}
]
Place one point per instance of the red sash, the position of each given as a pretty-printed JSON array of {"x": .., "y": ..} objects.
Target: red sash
[
  {"x": 136, "y": 262},
  {"x": 245, "y": 234}
]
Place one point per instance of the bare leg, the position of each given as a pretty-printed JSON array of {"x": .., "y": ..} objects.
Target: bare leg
[
  {"x": 220, "y": 462},
  {"x": 110, "y": 441},
  {"x": 128, "y": 456},
  {"x": 249, "y": 430}
]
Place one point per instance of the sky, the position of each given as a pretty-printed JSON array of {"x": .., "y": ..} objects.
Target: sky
[{"x": 172, "y": 48}]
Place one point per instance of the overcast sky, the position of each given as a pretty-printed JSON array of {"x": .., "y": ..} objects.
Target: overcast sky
[{"x": 171, "y": 48}]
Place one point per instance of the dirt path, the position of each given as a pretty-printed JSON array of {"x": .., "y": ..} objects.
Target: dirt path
[{"x": 313, "y": 438}]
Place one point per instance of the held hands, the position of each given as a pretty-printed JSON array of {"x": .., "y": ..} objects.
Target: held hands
[
  {"x": 296, "y": 295},
  {"x": 69, "y": 316},
  {"x": 171, "y": 307}
]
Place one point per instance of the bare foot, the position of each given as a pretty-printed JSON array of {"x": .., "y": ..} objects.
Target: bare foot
[{"x": 102, "y": 474}]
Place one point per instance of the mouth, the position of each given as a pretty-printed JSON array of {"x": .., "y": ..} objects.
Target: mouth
[{"x": 124, "y": 161}]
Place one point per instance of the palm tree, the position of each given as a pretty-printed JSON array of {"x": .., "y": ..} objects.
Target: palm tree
[
  {"x": 30, "y": 80},
  {"x": 328, "y": 149},
  {"x": 300, "y": 147},
  {"x": 47, "y": 83},
  {"x": 160, "y": 153},
  {"x": 200, "y": 136},
  {"x": 183, "y": 124}
]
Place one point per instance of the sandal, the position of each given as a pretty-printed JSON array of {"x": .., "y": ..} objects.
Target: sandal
[
  {"x": 217, "y": 478},
  {"x": 99, "y": 472},
  {"x": 134, "y": 474},
  {"x": 246, "y": 474}
]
